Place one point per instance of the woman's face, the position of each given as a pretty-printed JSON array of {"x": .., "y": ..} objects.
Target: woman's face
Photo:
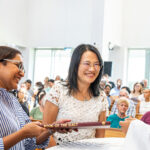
[
  {"x": 122, "y": 107},
  {"x": 89, "y": 68},
  {"x": 10, "y": 75},
  {"x": 138, "y": 87}
]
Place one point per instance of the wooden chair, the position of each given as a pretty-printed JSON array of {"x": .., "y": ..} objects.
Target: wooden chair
[
  {"x": 113, "y": 132},
  {"x": 138, "y": 116}
]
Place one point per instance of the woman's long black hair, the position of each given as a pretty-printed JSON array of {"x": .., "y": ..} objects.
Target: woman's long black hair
[{"x": 74, "y": 65}]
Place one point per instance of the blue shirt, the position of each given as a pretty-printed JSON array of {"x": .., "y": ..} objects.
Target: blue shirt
[
  {"x": 115, "y": 119},
  {"x": 115, "y": 91},
  {"x": 12, "y": 119}
]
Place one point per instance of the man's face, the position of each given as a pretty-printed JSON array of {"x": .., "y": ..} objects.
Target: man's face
[
  {"x": 146, "y": 93},
  {"x": 28, "y": 85},
  {"x": 123, "y": 94}
]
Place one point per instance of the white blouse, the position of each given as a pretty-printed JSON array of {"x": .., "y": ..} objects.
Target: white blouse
[
  {"x": 77, "y": 111},
  {"x": 144, "y": 107}
]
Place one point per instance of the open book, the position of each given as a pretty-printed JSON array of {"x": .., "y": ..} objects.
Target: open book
[{"x": 82, "y": 125}]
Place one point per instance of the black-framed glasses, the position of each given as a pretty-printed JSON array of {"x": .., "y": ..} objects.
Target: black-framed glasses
[{"x": 18, "y": 63}]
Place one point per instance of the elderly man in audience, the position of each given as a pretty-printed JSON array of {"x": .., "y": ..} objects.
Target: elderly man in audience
[
  {"x": 131, "y": 110},
  {"x": 115, "y": 91}
]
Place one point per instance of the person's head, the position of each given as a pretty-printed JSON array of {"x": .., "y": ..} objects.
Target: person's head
[
  {"x": 122, "y": 105},
  {"x": 28, "y": 84},
  {"x": 46, "y": 80},
  {"x": 41, "y": 96},
  {"x": 123, "y": 93},
  {"x": 38, "y": 87},
  {"x": 137, "y": 88},
  {"x": 23, "y": 85},
  {"x": 11, "y": 67},
  {"x": 51, "y": 82},
  {"x": 107, "y": 89},
  {"x": 119, "y": 83},
  {"x": 126, "y": 88},
  {"x": 102, "y": 84},
  {"x": 21, "y": 95},
  {"x": 146, "y": 93},
  {"x": 57, "y": 78},
  {"x": 105, "y": 77},
  {"x": 86, "y": 67},
  {"x": 145, "y": 82}
]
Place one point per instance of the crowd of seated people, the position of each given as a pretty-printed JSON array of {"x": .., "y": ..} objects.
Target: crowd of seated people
[
  {"x": 138, "y": 98},
  {"x": 137, "y": 101}
]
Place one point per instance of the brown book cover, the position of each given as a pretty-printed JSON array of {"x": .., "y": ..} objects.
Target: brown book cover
[{"x": 78, "y": 125}]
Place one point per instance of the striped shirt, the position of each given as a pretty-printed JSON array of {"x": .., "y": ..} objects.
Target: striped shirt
[{"x": 12, "y": 119}]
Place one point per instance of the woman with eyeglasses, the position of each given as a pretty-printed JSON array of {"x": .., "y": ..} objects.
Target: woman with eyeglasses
[
  {"x": 79, "y": 98},
  {"x": 16, "y": 131}
]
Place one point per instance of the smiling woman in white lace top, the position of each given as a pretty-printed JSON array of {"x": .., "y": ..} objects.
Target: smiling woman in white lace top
[{"x": 79, "y": 98}]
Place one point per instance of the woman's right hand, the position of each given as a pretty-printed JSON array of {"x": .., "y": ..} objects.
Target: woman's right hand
[{"x": 33, "y": 129}]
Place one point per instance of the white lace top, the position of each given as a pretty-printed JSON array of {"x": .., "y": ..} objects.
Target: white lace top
[{"x": 76, "y": 111}]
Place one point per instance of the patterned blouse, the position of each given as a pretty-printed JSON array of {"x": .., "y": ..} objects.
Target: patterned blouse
[{"x": 77, "y": 111}]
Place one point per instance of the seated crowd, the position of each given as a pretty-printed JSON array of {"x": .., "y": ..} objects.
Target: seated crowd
[{"x": 121, "y": 101}]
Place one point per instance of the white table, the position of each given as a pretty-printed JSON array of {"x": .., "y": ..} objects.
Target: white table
[{"x": 92, "y": 144}]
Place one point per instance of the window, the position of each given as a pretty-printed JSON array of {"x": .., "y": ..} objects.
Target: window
[
  {"x": 51, "y": 62},
  {"x": 138, "y": 66}
]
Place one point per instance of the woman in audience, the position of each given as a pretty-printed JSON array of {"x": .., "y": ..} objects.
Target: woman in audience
[
  {"x": 22, "y": 100},
  {"x": 144, "y": 106},
  {"x": 136, "y": 93},
  {"x": 122, "y": 106},
  {"x": 37, "y": 112},
  {"x": 39, "y": 87},
  {"x": 16, "y": 131},
  {"x": 80, "y": 98}
]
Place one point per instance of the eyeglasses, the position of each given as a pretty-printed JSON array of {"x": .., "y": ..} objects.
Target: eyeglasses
[
  {"x": 17, "y": 63},
  {"x": 88, "y": 65}
]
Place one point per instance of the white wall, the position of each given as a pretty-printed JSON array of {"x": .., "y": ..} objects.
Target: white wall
[
  {"x": 136, "y": 23},
  {"x": 13, "y": 21},
  {"x": 13, "y": 26},
  {"x": 113, "y": 12},
  {"x": 61, "y": 23}
]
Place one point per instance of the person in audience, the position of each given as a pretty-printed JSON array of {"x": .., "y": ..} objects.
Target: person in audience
[
  {"x": 79, "y": 98},
  {"x": 102, "y": 84},
  {"x": 51, "y": 83},
  {"x": 107, "y": 92},
  {"x": 22, "y": 100},
  {"x": 16, "y": 130},
  {"x": 126, "y": 88},
  {"x": 57, "y": 78},
  {"x": 37, "y": 112},
  {"x": 122, "y": 106},
  {"x": 136, "y": 93},
  {"x": 144, "y": 106},
  {"x": 131, "y": 110},
  {"x": 46, "y": 84},
  {"x": 106, "y": 78},
  {"x": 145, "y": 83},
  {"x": 38, "y": 88},
  {"x": 28, "y": 87},
  {"x": 115, "y": 91}
]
